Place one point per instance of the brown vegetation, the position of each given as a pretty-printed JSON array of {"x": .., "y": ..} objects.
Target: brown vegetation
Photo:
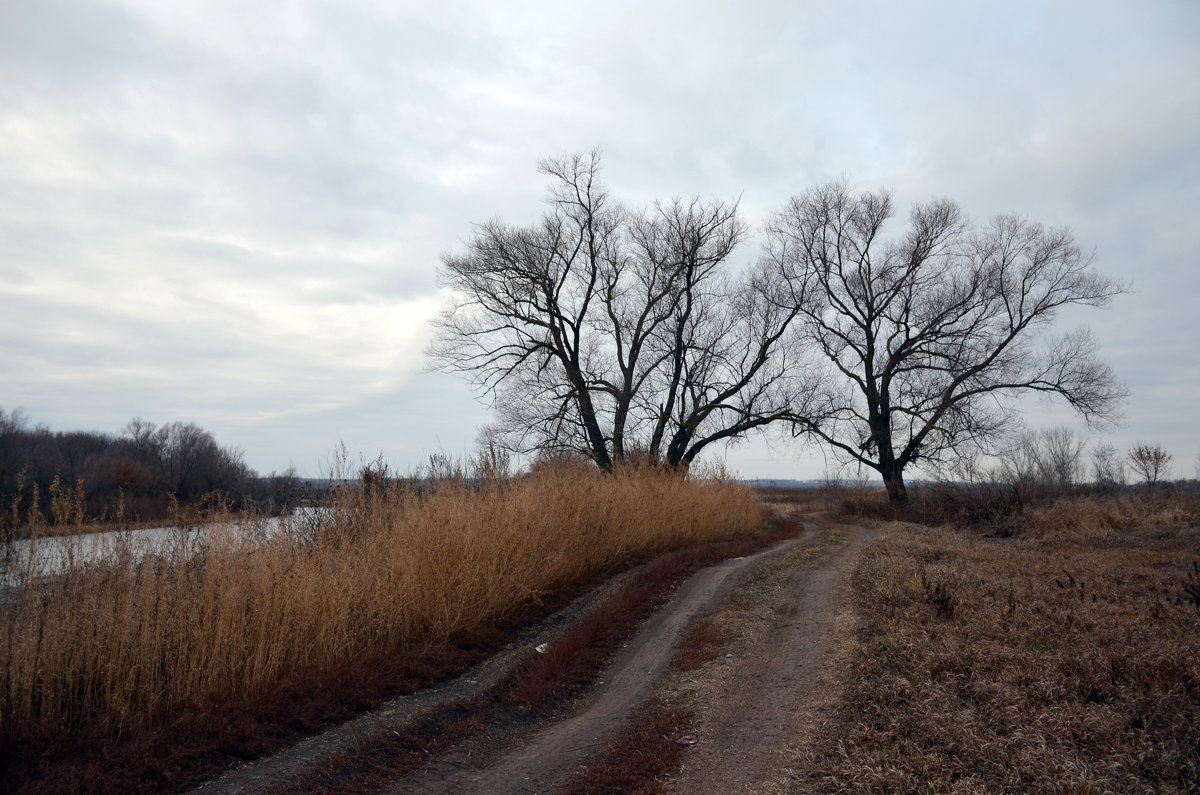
[
  {"x": 1011, "y": 509},
  {"x": 126, "y": 649},
  {"x": 701, "y": 643},
  {"x": 1059, "y": 655},
  {"x": 641, "y": 758},
  {"x": 1066, "y": 658},
  {"x": 1051, "y": 647}
]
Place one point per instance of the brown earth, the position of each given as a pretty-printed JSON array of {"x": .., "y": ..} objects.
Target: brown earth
[
  {"x": 782, "y": 618},
  {"x": 789, "y": 627}
]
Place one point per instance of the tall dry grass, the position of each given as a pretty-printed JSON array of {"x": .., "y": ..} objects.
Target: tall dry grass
[{"x": 136, "y": 640}]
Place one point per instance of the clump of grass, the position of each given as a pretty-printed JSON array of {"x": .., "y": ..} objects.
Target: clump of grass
[
  {"x": 701, "y": 643},
  {"x": 137, "y": 642},
  {"x": 641, "y": 758},
  {"x": 1047, "y": 663}
]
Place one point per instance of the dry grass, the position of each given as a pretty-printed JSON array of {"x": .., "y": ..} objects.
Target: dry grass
[
  {"x": 1090, "y": 518},
  {"x": 1065, "y": 660},
  {"x": 640, "y": 759},
  {"x": 701, "y": 643},
  {"x": 133, "y": 644},
  {"x": 1000, "y": 509}
]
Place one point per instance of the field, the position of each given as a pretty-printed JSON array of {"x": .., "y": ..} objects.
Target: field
[
  {"x": 1054, "y": 648},
  {"x": 1064, "y": 657}
]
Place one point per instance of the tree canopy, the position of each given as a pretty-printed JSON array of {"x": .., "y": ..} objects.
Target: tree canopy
[
  {"x": 618, "y": 333},
  {"x": 624, "y": 333},
  {"x": 928, "y": 337}
]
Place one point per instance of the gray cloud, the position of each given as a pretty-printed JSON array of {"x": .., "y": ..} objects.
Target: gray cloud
[{"x": 233, "y": 214}]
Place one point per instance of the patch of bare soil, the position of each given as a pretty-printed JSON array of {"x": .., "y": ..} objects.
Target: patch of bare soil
[{"x": 772, "y": 687}]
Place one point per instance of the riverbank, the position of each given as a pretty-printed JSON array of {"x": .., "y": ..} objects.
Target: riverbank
[{"x": 110, "y": 651}]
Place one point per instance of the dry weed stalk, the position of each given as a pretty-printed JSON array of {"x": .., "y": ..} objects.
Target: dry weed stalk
[{"x": 138, "y": 639}]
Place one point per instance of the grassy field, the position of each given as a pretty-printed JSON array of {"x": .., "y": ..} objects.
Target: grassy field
[
  {"x": 113, "y": 651},
  {"x": 1064, "y": 657}
]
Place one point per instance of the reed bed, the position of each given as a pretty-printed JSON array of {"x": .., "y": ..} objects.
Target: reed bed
[{"x": 389, "y": 567}]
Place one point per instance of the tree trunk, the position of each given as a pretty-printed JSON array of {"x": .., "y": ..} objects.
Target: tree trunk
[
  {"x": 893, "y": 481},
  {"x": 591, "y": 426}
]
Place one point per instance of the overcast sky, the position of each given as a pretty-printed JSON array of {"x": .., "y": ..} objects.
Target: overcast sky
[{"x": 232, "y": 213}]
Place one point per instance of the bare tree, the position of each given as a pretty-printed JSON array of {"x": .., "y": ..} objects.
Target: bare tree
[
  {"x": 927, "y": 338},
  {"x": 1108, "y": 471},
  {"x": 1050, "y": 458},
  {"x": 1019, "y": 463},
  {"x": 1149, "y": 461},
  {"x": 1062, "y": 456},
  {"x": 186, "y": 458},
  {"x": 616, "y": 333}
]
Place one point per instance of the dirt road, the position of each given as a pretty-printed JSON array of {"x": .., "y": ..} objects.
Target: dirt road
[
  {"x": 750, "y": 709},
  {"x": 781, "y": 612},
  {"x": 758, "y": 710}
]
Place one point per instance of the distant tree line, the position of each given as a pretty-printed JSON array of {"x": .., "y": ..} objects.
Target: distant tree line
[
  {"x": 1054, "y": 460},
  {"x": 144, "y": 473}
]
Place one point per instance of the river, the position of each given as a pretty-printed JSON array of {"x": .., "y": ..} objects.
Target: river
[{"x": 36, "y": 558}]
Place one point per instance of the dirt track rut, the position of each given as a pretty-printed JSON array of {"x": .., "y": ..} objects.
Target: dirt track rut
[
  {"x": 538, "y": 763},
  {"x": 749, "y": 710},
  {"x": 755, "y": 711}
]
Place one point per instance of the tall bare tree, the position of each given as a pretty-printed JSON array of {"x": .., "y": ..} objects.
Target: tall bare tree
[
  {"x": 929, "y": 336},
  {"x": 617, "y": 333}
]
